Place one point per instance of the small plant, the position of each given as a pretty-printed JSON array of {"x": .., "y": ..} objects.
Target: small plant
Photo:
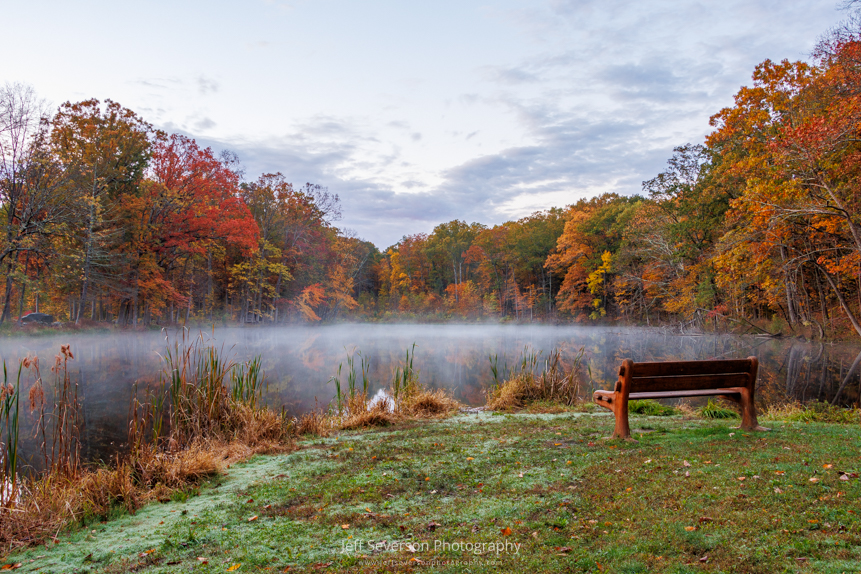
[
  {"x": 650, "y": 408},
  {"x": 713, "y": 410}
]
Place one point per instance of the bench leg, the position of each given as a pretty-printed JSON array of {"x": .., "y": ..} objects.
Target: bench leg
[
  {"x": 748, "y": 411},
  {"x": 620, "y": 411}
]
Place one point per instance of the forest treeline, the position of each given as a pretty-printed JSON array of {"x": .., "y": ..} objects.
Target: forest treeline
[{"x": 105, "y": 218}]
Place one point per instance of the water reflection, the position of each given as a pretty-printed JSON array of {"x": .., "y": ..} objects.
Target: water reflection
[{"x": 299, "y": 360}]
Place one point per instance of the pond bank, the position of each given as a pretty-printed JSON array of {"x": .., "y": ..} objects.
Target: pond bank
[{"x": 507, "y": 492}]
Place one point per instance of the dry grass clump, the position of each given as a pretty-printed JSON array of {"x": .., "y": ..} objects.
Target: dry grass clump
[
  {"x": 553, "y": 385},
  {"x": 361, "y": 413},
  {"x": 313, "y": 423},
  {"x": 425, "y": 403},
  {"x": 261, "y": 428},
  {"x": 175, "y": 470}
]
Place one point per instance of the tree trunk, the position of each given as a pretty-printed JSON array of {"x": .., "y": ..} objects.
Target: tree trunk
[
  {"x": 87, "y": 261},
  {"x": 7, "y": 300},
  {"x": 210, "y": 297},
  {"x": 843, "y": 303}
]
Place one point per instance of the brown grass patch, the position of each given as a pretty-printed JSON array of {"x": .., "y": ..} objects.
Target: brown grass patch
[
  {"x": 511, "y": 394},
  {"x": 312, "y": 423},
  {"x": 427, "y": 403},
  {"x": 378, "y": 415}
]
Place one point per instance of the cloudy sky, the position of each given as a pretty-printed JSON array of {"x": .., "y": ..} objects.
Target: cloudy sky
[{"x": 418, "y": 112}]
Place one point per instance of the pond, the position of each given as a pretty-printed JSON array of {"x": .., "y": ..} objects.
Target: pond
[{"x": 298, "y": 362}]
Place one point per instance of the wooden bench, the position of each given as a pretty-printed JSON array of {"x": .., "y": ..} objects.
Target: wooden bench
[{"x": 733, "y": 379}]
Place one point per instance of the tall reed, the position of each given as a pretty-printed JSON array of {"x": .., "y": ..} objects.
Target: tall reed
[
  {"x": 9, "y": 429},
  {"x": 406, "y": 377},
  {"x": 202, "y": 389}
]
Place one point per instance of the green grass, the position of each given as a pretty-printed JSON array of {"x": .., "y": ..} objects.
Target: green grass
[
  {"x": 650, "y": 408},
  {"x": 688, "y": 496},
  {"x": 713, "y": 410}
]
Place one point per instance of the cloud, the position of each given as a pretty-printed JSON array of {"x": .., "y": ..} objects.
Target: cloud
[
  {"x": 510, "y": 75},
  {"x": 600, "y": 99},
  {"x": 206, "y": 85},
  {"x": 203, "y": 124}
]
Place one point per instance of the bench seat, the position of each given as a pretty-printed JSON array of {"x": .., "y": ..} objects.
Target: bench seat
[{"x": 674, "y": 394}]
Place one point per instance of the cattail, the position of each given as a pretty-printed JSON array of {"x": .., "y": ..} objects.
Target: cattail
[{"x": 37, "y": 396}]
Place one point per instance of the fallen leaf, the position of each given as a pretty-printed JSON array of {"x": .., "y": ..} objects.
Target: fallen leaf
[
  {"x": 779, "y": 472},
  {"x": 534, "y": 535},
  {"x": 690, "y": 528},
  {"x": 563, "y": 549},
  {"x": 427, "y": 478},
  {"x": 844, "y": 477},
  {"x": 253, "y": 518},
  {"x": 814, "y": 479},
  {"x": 345, "y": 526},
  {"x": 234, "y": 567},
  {"x": 778, "y": 491},
  {"x": 704, "y": 558},
  {"x": 742, "y": 478},
  {"x": 202, "y": 560},
  {"x": 827, "y": 466},
  {"x": 433, "y": 526},
  {"x": 705, "y": 519},
  {"x": 470, "y": 458},
  {"x": 249, "y": 501},
  {"x": 506, "y": 531},
  {"x": 686, "y": 463},
  {"x": 268, "y": 506},
  {"x": 520, "y": 475}
]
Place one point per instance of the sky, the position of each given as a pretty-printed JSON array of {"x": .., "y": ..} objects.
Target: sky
[{"x": 416, "y": 112}]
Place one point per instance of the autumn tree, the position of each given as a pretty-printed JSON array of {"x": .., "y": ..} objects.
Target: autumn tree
[
  {"x": 104, "y": 150},
  {"x": 32, "y": 186}
]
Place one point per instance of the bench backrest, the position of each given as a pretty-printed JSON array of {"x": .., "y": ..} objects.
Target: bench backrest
[{"x": 688, "y": 375}]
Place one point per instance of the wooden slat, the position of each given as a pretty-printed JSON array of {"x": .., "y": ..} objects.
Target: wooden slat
[
  {"x": 679, "y": 394},
  {"x": 679, "y": 368},
  {"x": 687, "y": 383}
]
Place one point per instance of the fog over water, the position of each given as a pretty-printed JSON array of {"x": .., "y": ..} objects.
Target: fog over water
[{"x": 298, "y": 362}]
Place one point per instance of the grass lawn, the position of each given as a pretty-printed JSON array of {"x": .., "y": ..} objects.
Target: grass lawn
[{"x": 507, "y": 493}]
